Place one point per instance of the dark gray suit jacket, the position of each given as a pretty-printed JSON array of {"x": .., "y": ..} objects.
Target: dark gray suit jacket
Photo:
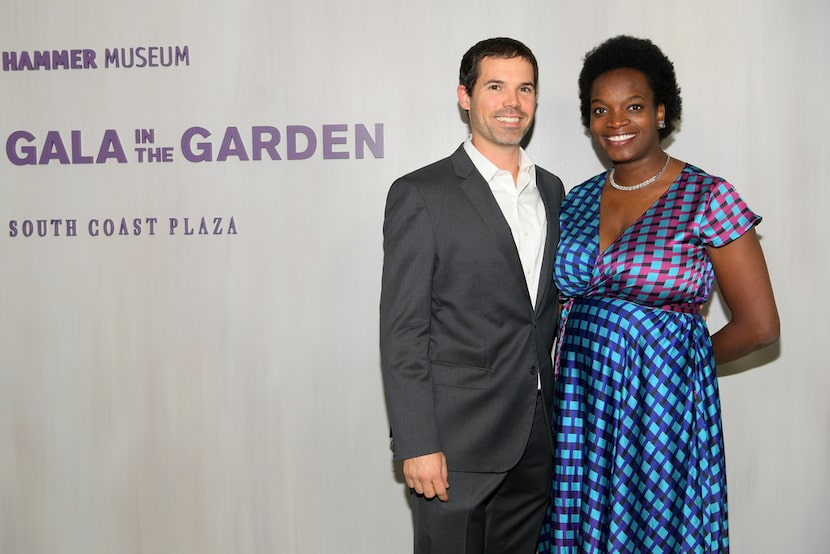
[{"x": 461, "y": 344}]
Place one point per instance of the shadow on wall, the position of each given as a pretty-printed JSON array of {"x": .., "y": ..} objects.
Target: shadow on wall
[{"x": 751, "y": 361}]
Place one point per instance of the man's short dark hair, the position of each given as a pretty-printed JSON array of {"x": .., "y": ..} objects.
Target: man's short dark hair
[{"x": 500, "y": 47}]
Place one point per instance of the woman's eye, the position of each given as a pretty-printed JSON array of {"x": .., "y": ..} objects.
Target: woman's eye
[{"x": 599, "y": 111}]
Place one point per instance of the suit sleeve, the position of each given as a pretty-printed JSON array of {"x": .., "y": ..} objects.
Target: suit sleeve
[{"x": 405, "y": 314}]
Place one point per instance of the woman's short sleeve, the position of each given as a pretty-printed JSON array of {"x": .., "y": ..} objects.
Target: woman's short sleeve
[{"x": 726, "y": 216}]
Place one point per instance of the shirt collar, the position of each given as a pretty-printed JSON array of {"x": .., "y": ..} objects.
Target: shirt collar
[{"x": 488, "y": 169}]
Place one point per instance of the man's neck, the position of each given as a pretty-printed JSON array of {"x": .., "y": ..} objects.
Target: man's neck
[{"x": 505, "y": 157}]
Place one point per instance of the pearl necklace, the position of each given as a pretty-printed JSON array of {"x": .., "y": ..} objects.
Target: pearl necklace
[{"x": 645, "y": 183}]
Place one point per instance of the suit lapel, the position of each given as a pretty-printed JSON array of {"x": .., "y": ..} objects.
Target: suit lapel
[
  {"x": 551, "y": 239},
  {"x": 478, "y": 191}
]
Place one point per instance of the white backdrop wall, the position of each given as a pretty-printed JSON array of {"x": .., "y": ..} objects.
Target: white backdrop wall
[{"x": 164, "y": 392}]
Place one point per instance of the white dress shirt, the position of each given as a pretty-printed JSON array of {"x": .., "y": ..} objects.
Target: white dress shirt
[{"x": 523, "y": 209}]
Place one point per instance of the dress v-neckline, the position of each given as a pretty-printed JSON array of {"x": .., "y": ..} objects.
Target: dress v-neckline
[{"x": 601, "y": 253}]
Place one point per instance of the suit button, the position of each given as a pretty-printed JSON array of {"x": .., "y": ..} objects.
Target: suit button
[{"x": 534, "y": 370}]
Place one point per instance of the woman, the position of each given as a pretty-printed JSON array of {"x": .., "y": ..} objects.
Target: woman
[{"x": 639, "y": 463}]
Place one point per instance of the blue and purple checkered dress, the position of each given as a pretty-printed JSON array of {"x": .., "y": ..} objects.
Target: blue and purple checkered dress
[{"x": 639, "y": 464}]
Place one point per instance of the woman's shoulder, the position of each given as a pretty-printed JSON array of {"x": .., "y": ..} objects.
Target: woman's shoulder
[
  {"x": 693, "y": 175},
  {"x": 589, "y": 185}
]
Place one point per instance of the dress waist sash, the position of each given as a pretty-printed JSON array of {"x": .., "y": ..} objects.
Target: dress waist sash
[{"x": 682, "y": 307}]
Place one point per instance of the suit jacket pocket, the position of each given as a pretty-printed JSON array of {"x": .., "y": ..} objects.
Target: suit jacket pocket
[{"x": 461, "y": 376}]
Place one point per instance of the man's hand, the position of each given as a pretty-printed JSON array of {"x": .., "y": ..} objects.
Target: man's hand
[{"x": 427, "y": 475}]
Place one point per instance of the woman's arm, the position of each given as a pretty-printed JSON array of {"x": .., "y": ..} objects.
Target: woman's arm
[{"x": 744, "y": 282}]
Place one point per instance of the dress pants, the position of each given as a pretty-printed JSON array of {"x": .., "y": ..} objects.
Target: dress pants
[{"x": 491, "y": 513}]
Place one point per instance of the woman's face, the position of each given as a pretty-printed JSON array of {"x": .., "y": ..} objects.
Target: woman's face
[{"x": 623, "y": 115}]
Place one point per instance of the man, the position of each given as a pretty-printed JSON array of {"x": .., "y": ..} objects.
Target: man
[{"x": 468, "y": 315}]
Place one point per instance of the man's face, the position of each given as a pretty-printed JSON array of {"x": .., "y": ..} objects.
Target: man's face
[{"x": 502, "y": 103}]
